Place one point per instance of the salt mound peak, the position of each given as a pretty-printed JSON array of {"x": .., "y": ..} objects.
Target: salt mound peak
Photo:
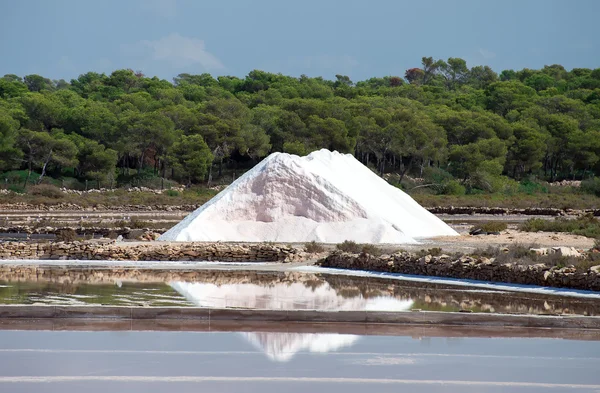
[{"x": 326, "y": 197}]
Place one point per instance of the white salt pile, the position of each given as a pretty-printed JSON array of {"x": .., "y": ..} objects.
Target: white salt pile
[{"x": 326, "y": 196}]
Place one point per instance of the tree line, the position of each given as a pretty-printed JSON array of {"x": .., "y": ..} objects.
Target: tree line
[{"x": 468, "y": 128}]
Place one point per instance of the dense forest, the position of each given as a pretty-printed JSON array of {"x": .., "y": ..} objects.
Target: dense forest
[{"x": 464, "y": 129}]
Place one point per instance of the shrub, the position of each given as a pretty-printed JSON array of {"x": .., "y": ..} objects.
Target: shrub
[
  {"x": 349, "y": 246},
  {"x": 518, "y": 253},
  {"x": 591, "y": 186},
  {"x": 46, "y": 190},
  {"x": 436, "y": 175},
  {"x": 434, "y": 252},
  {"x": 66, "y": 235},
  {"x": 453, "y": 187},
  {"x": 172, "y": 193},
  {"x": 314, "y": 247},
  {"x": 139, "y": 224},
  {"x": 371, "y": 249},
  {"x": 16, "y": 188},
  {"x": 530, "y": 187},
  {"x": 585, "y": 225},
  {"x": 356, "y": 248},
  {"x": 19, "y": 176},
  {"x": 585, "y": 264}
]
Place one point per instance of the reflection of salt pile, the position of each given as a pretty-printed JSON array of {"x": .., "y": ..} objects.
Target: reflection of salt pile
[
  {"x": 283, "y": 296},
  {"x": 326, "y": 197},
  {"x": 281, "y": 347}
]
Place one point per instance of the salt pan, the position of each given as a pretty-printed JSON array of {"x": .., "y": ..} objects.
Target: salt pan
[{"x": 325, "y": 197}]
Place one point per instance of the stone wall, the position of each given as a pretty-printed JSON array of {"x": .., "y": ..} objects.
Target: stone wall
[
  {"x": 21, "y": 206},
  {"x": 466, "y": 267},
  {"x": 154, "y": 251},
  {"x": 534, "y": 211},
  {"x": 126, "y": 232}
]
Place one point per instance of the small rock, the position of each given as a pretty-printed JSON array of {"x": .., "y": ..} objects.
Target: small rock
[
  {"x": 539, "y": 251},
  {"x": 566, "y": 251}
]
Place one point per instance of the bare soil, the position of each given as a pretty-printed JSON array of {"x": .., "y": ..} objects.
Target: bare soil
[{"x": 465, "y": 241}]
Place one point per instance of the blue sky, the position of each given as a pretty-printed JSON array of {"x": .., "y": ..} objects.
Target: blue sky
[{"x": 65, "y": 38}]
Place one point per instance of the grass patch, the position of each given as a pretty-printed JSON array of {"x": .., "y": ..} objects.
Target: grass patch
[
  {"x": 118, "y": 197},
  {"x": 489, "y": 227},
  {"x": 565, "y": 198},
  {"x": 585, "y": 225}
]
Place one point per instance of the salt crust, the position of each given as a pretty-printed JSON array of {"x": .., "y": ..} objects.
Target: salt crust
[{"x": 325, "y": 197}]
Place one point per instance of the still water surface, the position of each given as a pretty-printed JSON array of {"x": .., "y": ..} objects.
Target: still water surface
[
  {"x": 268, "y": 290},
  {"x": 66, "y": 362}
]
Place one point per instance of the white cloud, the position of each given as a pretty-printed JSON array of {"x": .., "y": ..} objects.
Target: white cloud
[
  {"x": 179, "y": 51},
  {"x": 486, "y": 54},
  {"x": 162, "y": 8}
]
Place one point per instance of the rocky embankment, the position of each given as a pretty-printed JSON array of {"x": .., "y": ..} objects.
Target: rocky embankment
[
  {"x": 467, "y": 267},
  {"x": 500, "y": 211},
  {"x": 107, "y": 232},
  {"x": 97, "y": 207},
  {"x": 153, "y": 251}
]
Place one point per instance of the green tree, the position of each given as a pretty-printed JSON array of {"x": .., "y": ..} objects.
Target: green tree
[
  {"x": 455, "y": 72},
  {"x": 506, "y": 96},
  {"x": 37, "y": 83},
  {"x": 481, "y": 77},
  {"x": 150, "y": 135},
  {"x": 42, "y": 149},
  {"x": 527, "y": 149},
  {"x": 191, "y": 157},
  {"x": 11, "y": 88},
  {"x": 477, "y": 159},
  {"x": 9, "y": 155},
  {"x": 95, "y": 161},
  {"x": 329, "y": 133},
  {"x": 253, "y": 142}
]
